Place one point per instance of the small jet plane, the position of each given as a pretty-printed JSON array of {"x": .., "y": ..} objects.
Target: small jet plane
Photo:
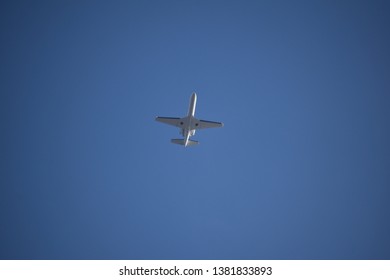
[{"x": 188, "y": 124}]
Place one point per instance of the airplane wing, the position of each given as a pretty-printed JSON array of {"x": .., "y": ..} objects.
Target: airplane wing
[
  {"x": 170, "y": 121},
  {"x": 208, "y": 124}
]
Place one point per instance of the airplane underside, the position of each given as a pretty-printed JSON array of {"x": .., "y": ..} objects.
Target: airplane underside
[{"x": 188, "y": 124}]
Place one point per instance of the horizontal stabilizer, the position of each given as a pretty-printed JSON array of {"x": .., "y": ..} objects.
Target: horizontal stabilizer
[{"x": 182, "y": 142}]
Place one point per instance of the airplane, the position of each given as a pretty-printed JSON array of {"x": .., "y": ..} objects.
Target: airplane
[{"x": 188, "y": 124}]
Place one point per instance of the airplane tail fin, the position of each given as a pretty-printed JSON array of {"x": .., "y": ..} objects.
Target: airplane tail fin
[{"x": 182, "y": 142}]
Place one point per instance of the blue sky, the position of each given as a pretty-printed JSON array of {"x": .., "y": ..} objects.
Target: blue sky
[{"x": 299, "y": 171}]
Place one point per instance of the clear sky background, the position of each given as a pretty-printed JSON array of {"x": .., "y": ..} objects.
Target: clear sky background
[{"x": 301, "y": 169}]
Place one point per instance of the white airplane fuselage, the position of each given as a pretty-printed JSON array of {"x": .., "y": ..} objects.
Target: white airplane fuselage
[{"x": 188, "y": 121}]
